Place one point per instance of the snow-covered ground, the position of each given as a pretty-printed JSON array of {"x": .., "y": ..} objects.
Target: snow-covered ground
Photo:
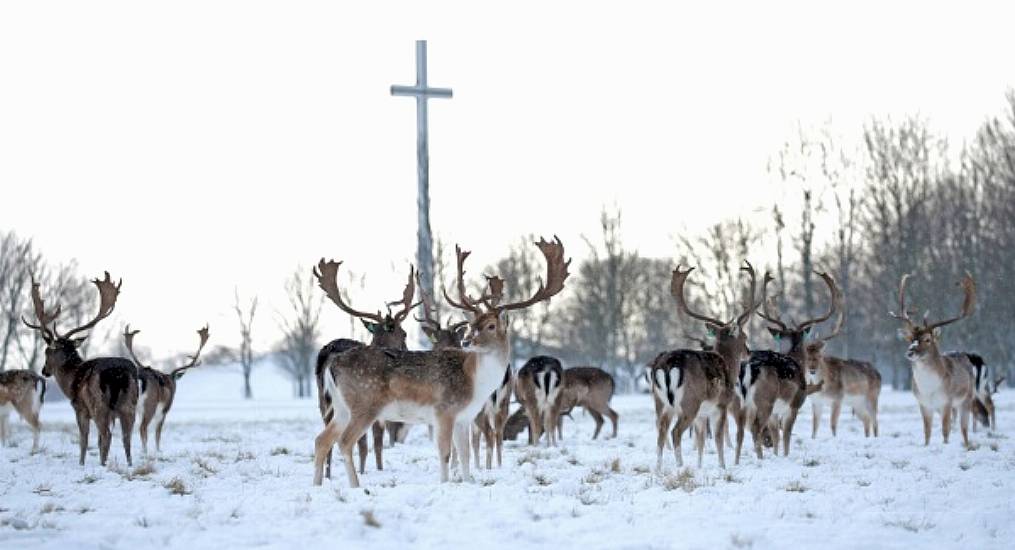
[{"x": 237, "y": 474}]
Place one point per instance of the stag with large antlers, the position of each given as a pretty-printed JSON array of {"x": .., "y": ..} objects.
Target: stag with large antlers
[
  {"x": 940, "y": 382},
  {"x": 385, "y": 333},
  {"x": 157, "y": 388},
  {"x": 695, "y": 387},
  {"x": 446, "y": 388},
  {"x": 23, "y": 391},
  {"x": 100, "y": 389},
  {"x": 773, "y": 384}
]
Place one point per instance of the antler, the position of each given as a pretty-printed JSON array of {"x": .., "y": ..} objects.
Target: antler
[
  {"x": 41, "y": 315},
  {"x": 765, "y": 313},
  {"x": 108, "y": 292},
  {"x": 677, "y": 290},
  {"x": 835, "y": 304},
  {"x": 556, "y": 274},
  {"x": 429, "y": 307},
  {"x": 903, "y": 315},
  {"x": 969, "y": 300},
  {"x": 751, "y": 305},
  {"x": 407, "y": 295},
  {"x": 128, "y": 340},
  {"x": 464, "y": 302},
  {"x": 327, "y": 278},
  {"x": 203, "y": 335}
]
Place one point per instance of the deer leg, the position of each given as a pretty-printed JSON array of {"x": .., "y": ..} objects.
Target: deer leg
[
  {"x": 741, "y": 421},
  {"x": 3, "y": 429},
  {"x": 490, "y": 437},
  {"x": 477, "y": 435},
  {"x": 699, "y": 439},
  {"x": 356, "y": 428},
  {"x": 461, "y": 436},
  {"x": 103, "y": 424},
  {"x": 378, "y": 431},
  {"x": 874, "y": 413},
  {"x": 84, "y": 423},
  {"x": 127, "y": 431},
  {"x": 836, "y": 409},
  {"x": 761, "y": 417},
  {"x": 614, "y": 418},
  {"x": 33, "y": 420},
  {"x": 498, "y": 436},
  {"x": 720, "y": 434},
  {"x": 142, "y": 431},
  {"x": 928, "y": 417},
  {"x": 445, "y": 426},
  {"x": 946, "y": 422},
  {"x": 683, "y": 422},
  {"x": 816, "y": 408},
  {"x": 323, "y": 445},
  {"x": 598, "y": 418},
  {"x": 362, "y": 447},
  {"x": 787, "y": 432},
  {"x": 535, "y": 426},
  {"x": 549, "y": 423},
  {"x": 964, "y": 424},
  {"x": 663, "y": 425}
]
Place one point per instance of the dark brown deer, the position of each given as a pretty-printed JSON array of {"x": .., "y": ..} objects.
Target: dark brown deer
[
  {"x": 158, "y": 389},
  {"x": 940, "y": 382},
  {"x": 386, "y": 332},
  {"x": 538, "y": 386},
  {"x": 100, "y": 389},
  {"x": 697, "y": 387},
  {"x": 444, "y": 387},
  {"x": 23, "y": 391},
  {"x": 773, "y": 384},
  {"x": 590, "y": 388}
]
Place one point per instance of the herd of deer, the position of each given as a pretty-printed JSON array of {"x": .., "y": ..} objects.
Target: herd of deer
[{"x": 463, "y": 386}]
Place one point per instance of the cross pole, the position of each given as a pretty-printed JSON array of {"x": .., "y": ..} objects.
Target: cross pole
[{"x": 422, "y": 92}]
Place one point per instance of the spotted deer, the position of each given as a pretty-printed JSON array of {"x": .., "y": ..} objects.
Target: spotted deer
[
  {"x": 489, "y": 422},
  {"x": 386, "y": 333},
  {"x": 696, "y": 387},
  {"x": 100, "y": 389},
  {"x": 857, "y": 383},
  {"x": 538, "y": 387},
  {"x": 590, "y": 388},
  {"x": 22, "y": 391},
  {"x": 157, "y": 389},
  {"x": 773, "y": 385},
  {"x": 446, "y": 387},
  {"x": 940, "y": 382}
]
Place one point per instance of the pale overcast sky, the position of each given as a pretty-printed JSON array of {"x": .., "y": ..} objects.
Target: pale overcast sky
[{"x": 194, "y": 147}]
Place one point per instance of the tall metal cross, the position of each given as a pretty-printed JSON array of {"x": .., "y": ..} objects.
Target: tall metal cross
[{"x": 422, "y": 92}]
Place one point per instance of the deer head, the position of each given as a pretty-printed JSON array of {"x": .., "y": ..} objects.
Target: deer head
[
  {"x": 62, "y": 349},
  {"x": 488, "y": 325},
  {"x": 385, "y": 330},
  {"x": 177, "y": 373},
  {"x": 923, "y": 338},
  {"x": 792, "y": 336},
  {"x": 729, "y": 335},
  {"x": 449, "y": 336}
]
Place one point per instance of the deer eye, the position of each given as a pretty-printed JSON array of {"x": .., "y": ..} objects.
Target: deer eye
[{"x": 490, "y": 327}]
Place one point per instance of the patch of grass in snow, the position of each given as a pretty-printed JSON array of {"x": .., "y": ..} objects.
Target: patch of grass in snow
[
  {"x": 682, "y": 480},
  {"x": 973, "y": 447},
  {"x": 542, "y": 480},
  {"x": 43, "y": 490},
  {"x": 964, "y": 465},
  {"x": 244, "y": 456},
  {"x": 912, "y": 525},
  {"x": 812, "y": 463},
  {"x": 641, "y": 469},
  {"x": 142, "y": 522},
  {"x": 615, "y": 465},
  {"x": 740, "y": 541},
  {"x": 863, "y": 483},
  {"x": 389, "y": 483},
  {"x": 84, "y": 510},
  {"x": 144, "y": 470},
  {"x": 487, "y": 482},
  {"x": 369, "y": 519},
  {"x": 728, "y": 477},
  {"x": 795, "y": 487},
  {"x": 206, "y": 468},
  {"x": 572, "y": 460},
  {"x": 49, "y": 508},
  {"x": 176, "y": 486},
  {"x": 900, "y": 464},
  {"x": 995, "y": 435},
  {"x": 587, "y": 497},
  {"x": 994, "y": 447},
  {"x": 87, "y": 480},
  {"x": 280, "y": 451}
]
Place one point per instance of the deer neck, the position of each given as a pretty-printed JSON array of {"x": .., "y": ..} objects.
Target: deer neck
[
  {"x": 490, "y": 363},
  {"x": 65, "y": 374}
]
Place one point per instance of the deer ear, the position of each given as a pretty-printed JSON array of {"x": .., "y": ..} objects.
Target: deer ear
[
  {"x": 78, "y": 341},
  {"x": 371, "y": 327},
  {"x": 711, "y": 329},
  {"x": 937, "y": 333},
  {"x": 430, "y": 333},
  {"x": 460, "y": 333},
  {"x": 775, "y": 333},
  {"x": 807, "y": 331}
]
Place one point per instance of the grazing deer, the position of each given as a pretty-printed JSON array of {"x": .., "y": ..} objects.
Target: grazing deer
[
  {"x": 100, "y": 389},
  {"x": 443, "y": 387},
  {"x": 386, "y": 333},
  {"x": 940, "y": 382},
  {"x": 23, "y": 391},
  {"x": 538, "y": 387},
  {"x": 157, "y": 389},
  {"x": 694, "y": 387},
  {"x": 773, "y": 384},
  {"x": 489, "y": 423},
  {"x": 857, "y": 383},
  {"x": 590, "y": 388}
]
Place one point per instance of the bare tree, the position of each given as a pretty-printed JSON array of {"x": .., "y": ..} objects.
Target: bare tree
[
  {"x": 300, "y": 331},
  {"x": 246, "y": 350}
]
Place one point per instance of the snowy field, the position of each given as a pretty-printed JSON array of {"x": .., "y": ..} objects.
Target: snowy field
[{"x": 237, "y": 474}]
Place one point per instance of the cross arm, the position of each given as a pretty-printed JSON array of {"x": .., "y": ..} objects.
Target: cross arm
[{"x": 417, "y": 91}]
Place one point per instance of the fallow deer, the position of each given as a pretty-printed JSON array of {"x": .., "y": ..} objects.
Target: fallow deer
[
  {"x": 538, "y": 387},
  {"x": 157, "y": 389},
  {"x": 386, "y": 333},
  {"x": 773, "y": 384},
  {"x": 443, "y": 387},
  {"x": 940, "y": 382},
  {"x": 590, "y": 388},
  {"x": 695, "y": 387},
  {"x": 23, "y": 391},
  {"x": 100, "y": 389},
  {"x": 856, "y": 382},
  {"x": 489, "y": 422}
]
